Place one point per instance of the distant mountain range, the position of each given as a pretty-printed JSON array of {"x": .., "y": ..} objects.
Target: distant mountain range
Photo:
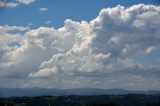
[{"x": 10, "y": 92}]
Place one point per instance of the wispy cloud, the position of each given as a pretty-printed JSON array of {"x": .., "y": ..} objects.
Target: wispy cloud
[
  {"x": 8, "y": 4},
  {"x": 47, "y": 22},
  {"x": 26, "y": 2},
  {"x": 15, "y": 3},
  {"x": 43, "y": 9}
]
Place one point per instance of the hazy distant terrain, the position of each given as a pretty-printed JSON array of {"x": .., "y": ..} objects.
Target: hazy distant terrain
[{"x": 8, "y": 92}]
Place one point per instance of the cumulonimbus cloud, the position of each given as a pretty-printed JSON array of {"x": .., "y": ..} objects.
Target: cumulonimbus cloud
[{"x": 103, "y": 47}]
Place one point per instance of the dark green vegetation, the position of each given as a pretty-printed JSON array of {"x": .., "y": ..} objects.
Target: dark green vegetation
[{"x": 73, "y": 100}]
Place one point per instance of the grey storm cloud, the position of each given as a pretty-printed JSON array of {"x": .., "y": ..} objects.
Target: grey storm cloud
[{"x": 100, "y": 51}]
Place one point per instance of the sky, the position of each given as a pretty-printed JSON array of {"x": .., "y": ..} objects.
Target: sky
[{"x": 80, "y": 44}]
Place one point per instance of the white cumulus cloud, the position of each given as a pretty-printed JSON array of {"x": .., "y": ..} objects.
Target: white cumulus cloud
[{"x": 102, "y": 51}]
